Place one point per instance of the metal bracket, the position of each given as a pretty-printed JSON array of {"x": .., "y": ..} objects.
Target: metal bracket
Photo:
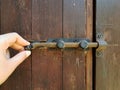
[{"x": 102, "y": 45}]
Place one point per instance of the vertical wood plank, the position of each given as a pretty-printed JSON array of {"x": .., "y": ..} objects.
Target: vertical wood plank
[
  {"x": 16, "y": 17},
  {"x": 108, "y": 66},
  {"x": 74, "y": 61},
  {"x": 46, "y": 64},
  {"x": 89, "y": 34}
]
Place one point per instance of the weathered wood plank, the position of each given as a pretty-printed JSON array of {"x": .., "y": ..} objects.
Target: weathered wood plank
[
  {"x": 16, "y": 17},
  {"x": 74, "y": 19},
  {"x": 89, "y": 34},
  {"x": 46, "y": 64},
  {"x": 107, "y": 67}
]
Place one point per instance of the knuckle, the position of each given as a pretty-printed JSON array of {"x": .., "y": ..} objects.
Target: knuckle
[{"x": 15, "y": 34}]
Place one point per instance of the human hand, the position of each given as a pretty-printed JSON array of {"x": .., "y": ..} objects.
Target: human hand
[{"x": 7, "y": 64}]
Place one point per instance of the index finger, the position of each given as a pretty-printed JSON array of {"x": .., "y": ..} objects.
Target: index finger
[{"x": 9, "y": 39}]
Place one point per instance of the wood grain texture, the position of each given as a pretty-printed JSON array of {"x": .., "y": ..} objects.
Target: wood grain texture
[
  {"x": 74, "y": 19},
  {"x": 46, "y": 64},
  {"x": 16, "y": 17},
  {"x": 89, "y": 34},
  {"x": 42, "y": 19},
  {"x": 108, "y": 67}
]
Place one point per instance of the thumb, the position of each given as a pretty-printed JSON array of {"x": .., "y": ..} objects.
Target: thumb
[{"x": 20, "y": 57}]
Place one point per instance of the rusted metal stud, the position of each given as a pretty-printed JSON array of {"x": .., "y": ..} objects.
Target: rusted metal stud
[
  {"x": 84, "y": 44},
  {"x": 60, "y": 44}
]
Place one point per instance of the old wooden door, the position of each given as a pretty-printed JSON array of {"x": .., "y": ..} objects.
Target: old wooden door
[
  {"x": 108, "y": 67},
  {"x": 43, "y": 19}
]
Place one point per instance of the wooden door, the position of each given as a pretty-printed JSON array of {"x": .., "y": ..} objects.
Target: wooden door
[
  {"x": 43, "y": 19},
  {"x": 108, "y": 66}
]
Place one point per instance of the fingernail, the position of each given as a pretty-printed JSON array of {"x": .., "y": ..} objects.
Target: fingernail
[
  {"x": 28, "y": 53},
  {"x": 28, "y": 43}
]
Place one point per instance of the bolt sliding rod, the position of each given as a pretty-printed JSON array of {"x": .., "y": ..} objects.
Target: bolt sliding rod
[{"x": 64, "y": 45}]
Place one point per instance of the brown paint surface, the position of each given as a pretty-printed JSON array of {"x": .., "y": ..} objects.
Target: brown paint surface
[
  {"x": 16, "y": 17},
  {"x": 89, "y": 34},
  {"x": 46, "y": 64},
  {"x": 74, "y": 60},
  {"x": 43, "y": 19},
  {"x": 108, "y": 67}
]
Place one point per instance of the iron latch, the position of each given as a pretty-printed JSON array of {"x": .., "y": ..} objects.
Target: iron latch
[{"x": 63, "y": 43}]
